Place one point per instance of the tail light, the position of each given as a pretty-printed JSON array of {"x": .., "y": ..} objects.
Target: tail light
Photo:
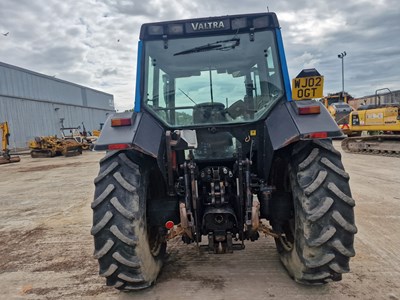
[
  {"x": 316, "y": 135},
  {"x": 309, "y": 110},
  {"x": 121, "y": 122},
  {"x": 118, "y": 146},
  {"x": 306, "y": 107}
]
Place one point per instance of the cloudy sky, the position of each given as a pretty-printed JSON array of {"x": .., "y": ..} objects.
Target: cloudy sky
[{"x": 93, "y": 42}]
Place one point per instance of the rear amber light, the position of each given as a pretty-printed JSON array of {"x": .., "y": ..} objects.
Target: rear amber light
[
  {"x": 118, "y": 146},
  {"x": 121, "y": 122},
  {"x": 309, "y": 110},
  {"x": 318, "y": 135}
]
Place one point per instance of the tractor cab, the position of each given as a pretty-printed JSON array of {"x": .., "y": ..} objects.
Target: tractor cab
[{"x": 201, "y": 74}]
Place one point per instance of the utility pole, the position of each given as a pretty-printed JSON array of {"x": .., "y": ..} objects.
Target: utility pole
[{"x": 341, "y": 56}]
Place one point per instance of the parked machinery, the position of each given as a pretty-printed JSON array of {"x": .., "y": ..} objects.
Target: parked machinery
[
  {"x": 5, "y": 156},
  {"x": 216, "y": 144},
  {"x": 375, "y": 127},
  {"x": 340, "y": 112},
  {"x": 336, "y": 98},
  {"x": 74, "y": 134},
  {"x": 50, "y": 146},
  {"x": 97, "y": 132},
  {"x": 381, "y": 123}
]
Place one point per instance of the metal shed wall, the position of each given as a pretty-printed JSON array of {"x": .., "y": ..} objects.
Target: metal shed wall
[
  {"x": 28, "y": 119},
  {"x": 33, "y": 104},
  {"x": 22, "y": 83},
  {"x": 92, "y": 97}
]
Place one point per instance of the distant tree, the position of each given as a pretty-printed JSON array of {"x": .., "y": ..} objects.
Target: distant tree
[{"x": 184, "y": 118}]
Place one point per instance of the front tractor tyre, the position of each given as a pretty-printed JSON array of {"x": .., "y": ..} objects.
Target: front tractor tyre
[
  {"x": 317, "y": 242},
  {"x": 129, "y": 252}
]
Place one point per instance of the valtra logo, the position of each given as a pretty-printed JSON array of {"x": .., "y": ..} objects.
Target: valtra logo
[{"x": 207, "y": 25}]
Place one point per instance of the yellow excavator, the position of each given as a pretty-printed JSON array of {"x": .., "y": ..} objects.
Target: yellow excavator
[
  {"x": 340, "y": 112},
  {"x": 374, "y": 129},
  {"x": 338, "y": 107},
  {"x": 5, "y": 157}
]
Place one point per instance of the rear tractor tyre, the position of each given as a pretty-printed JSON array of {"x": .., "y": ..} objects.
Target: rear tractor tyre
[
  {"x": 318, "y": 241},
  {"x": 129, "y": 253}
]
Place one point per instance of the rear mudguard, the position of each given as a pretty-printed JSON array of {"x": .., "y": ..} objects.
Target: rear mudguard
[
  {"x": 285, "y": 126},
  {"x": 144, "y": 134}
]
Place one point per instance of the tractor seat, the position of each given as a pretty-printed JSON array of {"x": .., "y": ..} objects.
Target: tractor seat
[{"x": 209, "y": 112}]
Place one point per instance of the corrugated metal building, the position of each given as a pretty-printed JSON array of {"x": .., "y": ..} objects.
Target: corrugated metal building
[
  {"x": 382, "y": 98},
  {"x": 34, "y": 104}
]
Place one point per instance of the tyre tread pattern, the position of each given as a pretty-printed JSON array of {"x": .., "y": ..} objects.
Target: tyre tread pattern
[
  {"x": 125, "y": 184},
  {"x": 320, "y": 210},
  {"x": 118, "y": 284},
  {"x": 111, "y": 269},
  {"x": 325, "y": 235},
  {"x": 334, "y": 189},
  {"x": 118, "y": 224},
  {"x": 132, "y": 262},
  {"x": 104, "y": 249},
  {"x": 319, "y": 261},
  {"x": 131, "y": 278},
  {"x": 121, "y": 209},
  {"x": 107, "y": 171},
  {"x": 103, "y": 195},
  {"x": 319, "y": 180},
  {"x": 334, "y": 168},
  {"x": 343, "y": 223},
  {"x": 324, "y": 214},
  {"x": 313, "y": 155},
  {"x": 102, "y": 223}
]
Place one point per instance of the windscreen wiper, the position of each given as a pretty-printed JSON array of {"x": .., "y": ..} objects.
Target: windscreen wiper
[{"x": 219, "y": 45}]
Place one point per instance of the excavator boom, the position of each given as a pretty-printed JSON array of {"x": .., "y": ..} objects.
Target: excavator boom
[{"x": 5, "y": 157}]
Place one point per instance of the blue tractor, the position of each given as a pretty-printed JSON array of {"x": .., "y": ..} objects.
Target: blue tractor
[{"x": 216, "y": 151}]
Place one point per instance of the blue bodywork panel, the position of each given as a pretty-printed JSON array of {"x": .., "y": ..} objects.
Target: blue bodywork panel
[
  {"x": 285, "y": 71},
  {"x": 138, "y": 74}
]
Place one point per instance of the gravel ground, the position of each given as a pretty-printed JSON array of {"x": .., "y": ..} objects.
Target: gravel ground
[{"x": 46, "y": 247}]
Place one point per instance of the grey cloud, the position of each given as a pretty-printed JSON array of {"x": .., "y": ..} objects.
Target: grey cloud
[
  {"x": 75, "y": 31},
  {"x": 58, "y": 58},
  {"x": 109, "y": 71},
  {"x": 135, "y": 8},
  {"x": 78, "y": 40}
]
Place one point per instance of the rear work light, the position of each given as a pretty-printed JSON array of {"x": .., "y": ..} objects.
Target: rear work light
[
  {"x": 309, "y": 110},
  {"x": 121, "y": 122}
]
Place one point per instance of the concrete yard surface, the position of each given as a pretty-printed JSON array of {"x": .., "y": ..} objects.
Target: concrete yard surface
[{"x": 46, "y": 250}]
